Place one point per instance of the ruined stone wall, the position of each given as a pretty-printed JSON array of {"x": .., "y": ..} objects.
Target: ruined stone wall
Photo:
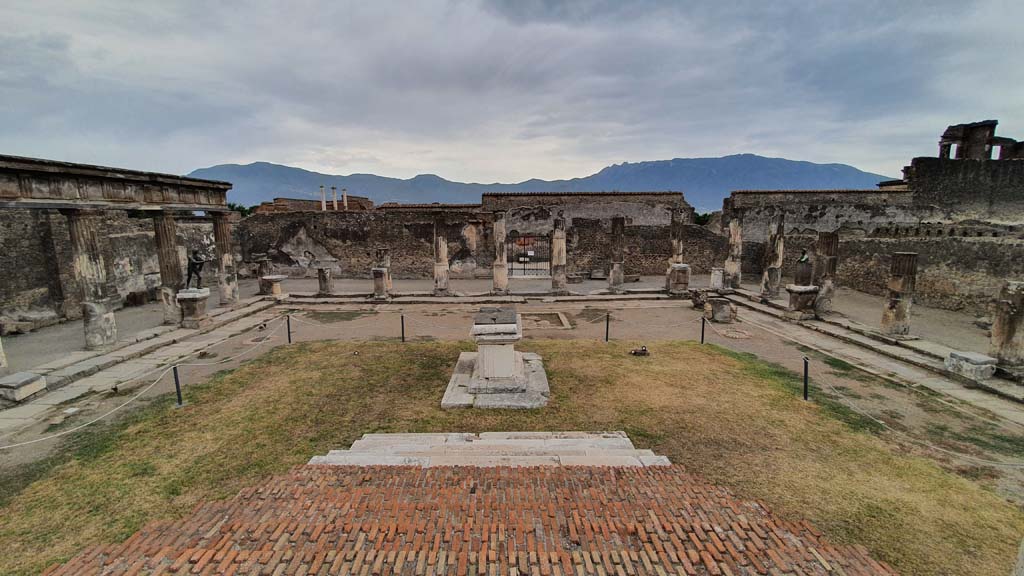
[
  {"x": 822, "y": 210},
  {"x": 36, "y": 247},
  {"x": 293, "y": 241},
  {"x": 534, "y": 214},
  {"x": 648, "y": 248},
  {"x": 991, "y": 190},
  {"x": 953, "y": 273}
]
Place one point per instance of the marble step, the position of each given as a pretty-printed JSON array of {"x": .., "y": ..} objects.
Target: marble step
[
  {"x": 494, "y": 449},
  {"x": 341, "y": 458}
]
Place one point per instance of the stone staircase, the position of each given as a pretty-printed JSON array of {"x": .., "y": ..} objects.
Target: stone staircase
[{"x": 493, "y": 449}]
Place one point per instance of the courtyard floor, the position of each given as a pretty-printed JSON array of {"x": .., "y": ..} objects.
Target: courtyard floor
[
  {"x": 722, "y": 415},
  {"x": 24, "y": 351}
]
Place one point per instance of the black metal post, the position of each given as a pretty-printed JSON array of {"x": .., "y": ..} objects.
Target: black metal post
[
  {"x": 805, "y": 376},
  {"x": 289, "y": 319},
  {"x": 607, "y": 324},
  {"x": 403, "y": 327},
  {"x": 703, "y": 322},
  {"x": 177, "y": 387}
]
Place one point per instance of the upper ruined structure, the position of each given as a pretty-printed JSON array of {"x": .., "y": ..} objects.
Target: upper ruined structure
[{"x": 977, "y": 141}]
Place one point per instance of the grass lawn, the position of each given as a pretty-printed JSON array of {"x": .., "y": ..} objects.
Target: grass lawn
[{"x": 731, "y": 418}]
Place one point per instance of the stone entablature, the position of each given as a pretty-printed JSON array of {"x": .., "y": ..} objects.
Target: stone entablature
[{"x": 37, "y": 183}]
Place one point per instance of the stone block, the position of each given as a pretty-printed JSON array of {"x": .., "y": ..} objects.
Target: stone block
[
  {"x": 720, "y": 310},
  {"x": 21, "y": 385},
  {"x": 717, "y": 278},
  {"x": 677, "y": 281},
  {"x": 193, "y": 308},
  {"x": 971, "y": 364},
  {"x": 273, "y": 283}
]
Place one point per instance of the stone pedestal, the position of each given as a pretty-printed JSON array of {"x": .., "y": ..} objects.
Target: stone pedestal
[
  {"x": 384, "y": 261},
  {"x": 380, "y": 283},
  {"x": 20, "y": 385},
  {"x": 971, "y": 365},
  {"x": 717, "y": 279},
  {"x": 262, "y": 269},
  {"x": 677, "y": 281},
  {"x": 902, "y": 282},
  {"x": 496, "y": 376},
  {"x": 826, "y": 260},
  {"x": 273, "y": 285},
  {"x": 720, "y": 310},
  {"x": 734, "y": 262},
  {"x": 1007, "y": 342},
  {"x": 801, "y": 301},
  {"x": 558, "y": 258},
  {"x": 499, "y": 272},
  {"x": 193, "y": 307}
]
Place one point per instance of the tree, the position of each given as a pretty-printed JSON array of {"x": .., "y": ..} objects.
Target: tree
[{"x": 244, "y": 211}]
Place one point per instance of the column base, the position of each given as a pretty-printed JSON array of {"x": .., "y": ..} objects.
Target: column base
[
  {"x": 100, "y": 326},
  {"x": 169, "y": 302},
  {"x": 616, "y": 278},
  {"x": 227, "y": 284}
]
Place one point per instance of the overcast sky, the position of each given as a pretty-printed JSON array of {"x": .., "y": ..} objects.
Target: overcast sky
[{"x": 500, "y": 91}]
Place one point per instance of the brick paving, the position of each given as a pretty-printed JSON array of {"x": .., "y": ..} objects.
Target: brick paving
[{"x": 540, "y": 521}]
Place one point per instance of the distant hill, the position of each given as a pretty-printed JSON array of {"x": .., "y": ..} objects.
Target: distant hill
[{"x": 705, "y": 181}]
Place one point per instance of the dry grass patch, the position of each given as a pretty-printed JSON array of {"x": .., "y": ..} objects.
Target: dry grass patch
[{"x": 729, "y": 417}]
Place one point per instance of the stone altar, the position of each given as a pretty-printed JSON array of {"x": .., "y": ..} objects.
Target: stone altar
[
  {"x": 497, "y": 376},
  {"x": 192, "y": 302}
]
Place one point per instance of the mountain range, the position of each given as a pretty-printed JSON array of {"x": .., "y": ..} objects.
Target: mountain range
[{"x": 704, "y": 181}]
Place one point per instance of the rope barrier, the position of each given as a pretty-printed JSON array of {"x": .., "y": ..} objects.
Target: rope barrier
[
  {"x": 862, "y": 412},
  {"x": 163, "y": 373}
]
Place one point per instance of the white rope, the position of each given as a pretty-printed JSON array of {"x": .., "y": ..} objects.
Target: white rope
[
  {"x": 852, "y": 406},
  {"x": 144, "y": 390}
]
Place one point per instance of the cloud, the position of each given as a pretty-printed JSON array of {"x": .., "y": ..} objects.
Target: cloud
[{"x": 498, "y": 91}]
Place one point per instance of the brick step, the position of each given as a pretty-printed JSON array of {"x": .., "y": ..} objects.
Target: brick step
[{"x": 558, "y": 521}]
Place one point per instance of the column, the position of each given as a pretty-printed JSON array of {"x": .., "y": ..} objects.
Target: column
[
  {"x": 616, "y": 276},
  {"x": 344, "y": 198},
  {"x": 380, "y": 290},
  {"x": 227, "y": 275},
  {"x": 334, "y": 197},
  {"x": 91, "y": 273},
  {"x": 323, "y": 199},
  {"x": 774, "y": 251},
  {"x": 171, "y": 279},
  {"x": 675, "y": 232},
  {"x": 558, "y": 257},
  {"x": 826, "y": 262},
  {"x": 384, "y": 261},
  {"x": 734, "y": 262},
  {"x": 1007, "y": 344},
  {"x": 3, "y": 358},
  {"x": 500, "y": 267},
  {"x": 902, "y": 280},
  {"x": 324, "y": 276},
  {"x": 440, "y": 259}
]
